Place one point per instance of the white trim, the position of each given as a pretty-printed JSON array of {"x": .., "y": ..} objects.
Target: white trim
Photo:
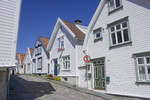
[
  {"x": 145, "y": 65},
  {"x": 93, "y": 22},
  {"x": 54, "y": 33}
]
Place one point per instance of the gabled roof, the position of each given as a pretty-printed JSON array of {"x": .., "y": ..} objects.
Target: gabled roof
[
  {"x": 74, "y": 31},
  {"x": 21, "y": 57},
  {"x": 93, "y": 21},
  {"x": 31, "y": 51},
  {"x": 78, "y": 33},
  {"x": 44, "y": 41}
]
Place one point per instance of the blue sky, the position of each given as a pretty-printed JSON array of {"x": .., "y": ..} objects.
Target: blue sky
[{"x": 38, "y": 17}]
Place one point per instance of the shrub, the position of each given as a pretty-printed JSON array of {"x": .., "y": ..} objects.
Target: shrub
[{"x": 57, "y": 78}]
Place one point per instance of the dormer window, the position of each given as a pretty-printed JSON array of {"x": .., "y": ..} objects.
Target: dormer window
[
  {"x": 97, "y": 34},
  {"x": 114, "y": 5},
  {"x": 61, "y": 43}
]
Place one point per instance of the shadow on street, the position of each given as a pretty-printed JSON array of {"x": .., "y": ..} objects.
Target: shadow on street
[{"x": 21, "y": 89}]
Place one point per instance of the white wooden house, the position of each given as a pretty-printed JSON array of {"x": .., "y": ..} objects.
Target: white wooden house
[
  {"x": 118, "y": 44},
  {"x": 9, "y": 22},
  {"x": 28, "y": 61},
  {"x": 20, "y": 68},
  {"x": 64, "y": 48},
  {"x": 40, "y": 57}
]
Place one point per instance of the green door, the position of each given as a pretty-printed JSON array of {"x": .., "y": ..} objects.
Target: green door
[{"x": 99, "y": 75}]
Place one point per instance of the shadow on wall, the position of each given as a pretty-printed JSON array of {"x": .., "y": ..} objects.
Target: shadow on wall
[
  {"x": 143, "y": 3},
  {"x": 28, "y": 90}
]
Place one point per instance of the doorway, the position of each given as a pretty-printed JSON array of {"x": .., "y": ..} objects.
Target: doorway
[
  {"x": 55, "y": 67},
  {"x": 99, "y": 74}
]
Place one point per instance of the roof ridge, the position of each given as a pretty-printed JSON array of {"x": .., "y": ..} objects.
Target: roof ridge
[
  {"x": 44, "y": 37},
  {"x": 78, "y": 32}
]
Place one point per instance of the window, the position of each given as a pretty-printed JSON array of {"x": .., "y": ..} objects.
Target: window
[
  {"x": 39, "y": 66},
  {"x": 28, "y": 67},
  {"x": 66, "y": 63},
  {"x": 143, "y": 67},
  {"x": 119, "y": 33},
  {"x": 114, "y": 4},
  {"x": 97, "y": 34},
  {"x": 61, "y": 42},
  {"x": 38, "y": 51}
]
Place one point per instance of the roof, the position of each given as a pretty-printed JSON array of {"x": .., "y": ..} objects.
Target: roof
[
  {"x": 77, "y": 32},
  {"x": 21, "y": 57},
  {"x": 93, "y": 21},
  {"x": 31, "y": 51},
  {"x": 73, "y": 29},
  {"x": 44, "y": 41}
]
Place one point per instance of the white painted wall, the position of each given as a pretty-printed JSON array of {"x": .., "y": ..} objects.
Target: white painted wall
[
  {"x": 69, "y": 43},
  {"x": 19, "y": 66},
  {"x": 120, "y": 65},
  {"x": 9, "y": 22},
  {"x": 44, "y": 62},
  {"x": 28, "y": 62}
]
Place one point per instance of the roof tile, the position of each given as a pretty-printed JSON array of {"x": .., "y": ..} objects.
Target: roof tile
[
  {"x": 44, "y": 41},
  {"x": 78, "y": 33}
]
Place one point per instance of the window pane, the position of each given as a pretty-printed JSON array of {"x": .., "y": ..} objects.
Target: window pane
[
  {"x": 112, "y": 4},
  {"x": 119, "y": 37},
  {"x": 142, "y": 75},
  {"x": 148, "y": 69},
  {"x": 124, "y": 24},
  {"x": 118, "y": 27},
  {"x": 125, "y": 34},
  {"x": 140, "y": 60},
  {"x": 148, "y": 60},
  {"x": 118, "y": 3},
  {"x": 98, "y": 35},
  {"x": 112, "y": 29},
  {"x": 62, "y": 44},
  {"x": 113, "y": 38}
]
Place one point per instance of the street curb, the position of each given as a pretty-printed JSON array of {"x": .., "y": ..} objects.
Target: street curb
[{"x": 104, "y": 96}]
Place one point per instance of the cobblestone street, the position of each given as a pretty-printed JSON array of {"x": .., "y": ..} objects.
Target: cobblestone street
[
  {"x": 25, "y": 87},
  {"x": 32, "y": 88}
]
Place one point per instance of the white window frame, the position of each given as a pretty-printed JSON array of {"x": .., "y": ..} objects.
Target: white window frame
[
  {"x": 119, "y": 30},
  {"x": 115, "y": 6},
  {"x": 66, "y": 61},
  {"x": 98, "y": 31},
  {"x": 60, "y": 40},
  {"x": 145, "y": 65}
]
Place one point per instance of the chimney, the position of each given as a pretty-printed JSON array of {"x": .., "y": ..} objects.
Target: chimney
[{"x": 78, "y": 22}]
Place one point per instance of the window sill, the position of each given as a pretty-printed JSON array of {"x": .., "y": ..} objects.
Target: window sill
[
  {"x": 98, "y": 39},
  {"x": 142, "y": 82},
  {"x": 122, "y": 44},
  {"x": 114, "y": 10}
]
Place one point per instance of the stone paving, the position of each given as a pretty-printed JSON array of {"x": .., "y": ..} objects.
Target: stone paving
[
  {"x": 35, "y": 88},
  {"x": 32, "y": 88}
]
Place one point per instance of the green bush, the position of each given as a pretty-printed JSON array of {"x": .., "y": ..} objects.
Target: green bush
[{"x": 57, "y": 78}]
